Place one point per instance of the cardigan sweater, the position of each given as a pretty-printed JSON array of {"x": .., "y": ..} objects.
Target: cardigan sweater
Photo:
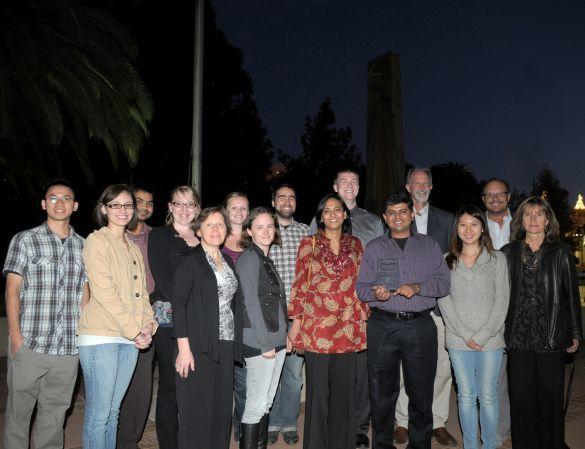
[
  {"x": 195, "y": 303},
  {"x": 477, "y": 305}
]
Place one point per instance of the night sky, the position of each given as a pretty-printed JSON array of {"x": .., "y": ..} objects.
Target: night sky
[{"x": 499, "y": 85}]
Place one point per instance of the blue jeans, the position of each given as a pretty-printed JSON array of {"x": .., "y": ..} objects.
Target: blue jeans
[
  {"x": 262, "y": 376},
  {"x": 107, "y": 370},
  {"x": 287, "y": 402},
  {"x": 476, "y": 373}
]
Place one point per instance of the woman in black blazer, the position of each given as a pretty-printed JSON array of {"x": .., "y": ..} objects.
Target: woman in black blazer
[
  {"x": 207, "y": 315},
  {"x": 166, "y": 246}
]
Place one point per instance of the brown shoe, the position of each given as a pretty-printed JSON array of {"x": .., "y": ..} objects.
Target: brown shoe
[
  {"x": 444, "y": 437},
  {"x": 401, "y": 435}
]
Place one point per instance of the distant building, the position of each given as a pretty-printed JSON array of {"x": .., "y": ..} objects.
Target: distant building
[{"x": 577, "y": 234}]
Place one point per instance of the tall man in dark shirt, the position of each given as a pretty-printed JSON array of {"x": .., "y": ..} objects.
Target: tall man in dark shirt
[{"x": 401, "y": 276}]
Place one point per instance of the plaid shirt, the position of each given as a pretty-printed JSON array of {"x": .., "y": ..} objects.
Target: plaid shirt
[
  {"x": 285, "y": 256},
  {"x": 52, "y": 289}
]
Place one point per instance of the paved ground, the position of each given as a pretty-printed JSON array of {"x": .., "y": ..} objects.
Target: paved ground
[{"x": 575, "y": 422}]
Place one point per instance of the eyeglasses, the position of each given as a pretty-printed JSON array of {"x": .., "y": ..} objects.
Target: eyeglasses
[
  {"x": 147, "y": 203},
  {"x": 493, "y": 195},
  {"x": 118, "y": 206},
  {"x": 179, "y": 205},
  {"x": 53, "y": 199}
]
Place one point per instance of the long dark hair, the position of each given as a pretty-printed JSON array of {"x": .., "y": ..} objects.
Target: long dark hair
[
  {"x": 346, "y": 226},
  {"x": 485, "y": 241},
  {"x": 551, "y": 231}
]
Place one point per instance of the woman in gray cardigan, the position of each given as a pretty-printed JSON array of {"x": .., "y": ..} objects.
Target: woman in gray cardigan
[
  {"x": 265, "y": 324},
  {"x": 474, "y": 315}
]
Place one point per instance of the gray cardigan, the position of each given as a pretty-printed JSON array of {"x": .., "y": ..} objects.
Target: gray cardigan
[
  {"x": 477, "y": 306},
  {"x": 251, "y": 267}
]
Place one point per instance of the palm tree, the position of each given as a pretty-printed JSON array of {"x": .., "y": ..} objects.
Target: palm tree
[{"x": 66, "y": 76}]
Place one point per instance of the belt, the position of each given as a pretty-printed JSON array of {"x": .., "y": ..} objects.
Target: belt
[{"x": 405, "y": 316}]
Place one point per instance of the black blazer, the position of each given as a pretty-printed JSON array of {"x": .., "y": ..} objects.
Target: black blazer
[
  {"x": 165, "y": 250},
  {"x": 196, "y": 305},
  {"x": 440, "y": 224},
  {"x": 561, "y": 293}
]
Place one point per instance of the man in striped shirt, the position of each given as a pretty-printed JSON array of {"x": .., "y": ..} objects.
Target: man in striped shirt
[
  {"x": 286, "y": 405},
  {"x": 45, "y": 289}
]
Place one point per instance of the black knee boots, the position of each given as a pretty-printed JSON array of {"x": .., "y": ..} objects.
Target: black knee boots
[
  {"x": 249, "y": 435},
  {"x": 263, "y": 432}
]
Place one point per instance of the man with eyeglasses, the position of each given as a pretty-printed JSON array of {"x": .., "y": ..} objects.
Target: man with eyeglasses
[
  {"x": 136, "y": 404},
  {"x": 46, "y": 287},
  {"x": 401, "y": 276},
  {"x": 496, "y": 197},
  {"x": 438, "y": 224}
]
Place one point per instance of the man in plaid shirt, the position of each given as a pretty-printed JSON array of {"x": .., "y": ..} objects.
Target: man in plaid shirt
[
  {"x": 287, "y": 402},
  {"x": 45, "y": 289}
]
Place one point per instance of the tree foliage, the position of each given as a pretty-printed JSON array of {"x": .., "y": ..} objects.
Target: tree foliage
[
  {"x": 66, "y": 76},
  {"x": 326, "y": 149},
  {"x": 546, "y": 184},
  {"x": 236, "y": 154}
]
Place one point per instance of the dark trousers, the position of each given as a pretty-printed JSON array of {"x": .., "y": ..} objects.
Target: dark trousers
[
  {"x": 362, "y": 394},
  {"x": 136, "y": 403},
  {"x": 205, "y": 401},
  {"x": 167, "y": 413},
  {"x": 414, "y": 343},
  {"x": 329, "y": 405},
  {"x": 536, "y": 385}
]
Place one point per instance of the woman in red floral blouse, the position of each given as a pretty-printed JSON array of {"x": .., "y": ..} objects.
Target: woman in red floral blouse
[{"x": 329, "y": 325}]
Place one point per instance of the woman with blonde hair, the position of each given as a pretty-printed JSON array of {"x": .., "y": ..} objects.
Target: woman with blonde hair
[{"x": 166, "y": 246}]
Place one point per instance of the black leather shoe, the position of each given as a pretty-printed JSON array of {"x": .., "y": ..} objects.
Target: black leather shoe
[
  {"x": 290, "y": 437},
  {"x": 362, "y": 440},
  {"x": 272, "y": 436}
]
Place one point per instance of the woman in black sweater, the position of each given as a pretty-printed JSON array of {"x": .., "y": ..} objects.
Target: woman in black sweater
[
  {"x": 166, "y": 245},
  {"x": 207, "y": 315}
]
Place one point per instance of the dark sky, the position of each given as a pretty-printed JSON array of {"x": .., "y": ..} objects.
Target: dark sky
[{"x": 499, "y": 85}]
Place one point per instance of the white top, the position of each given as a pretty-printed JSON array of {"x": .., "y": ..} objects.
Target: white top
[
  {"x": 422, "y": 217},
  {"x": 92, "y": 340},
  {"x": 500, "y": 236}
]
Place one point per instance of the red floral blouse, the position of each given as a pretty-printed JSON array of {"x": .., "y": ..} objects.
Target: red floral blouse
[{"x": 329, "y": 308}]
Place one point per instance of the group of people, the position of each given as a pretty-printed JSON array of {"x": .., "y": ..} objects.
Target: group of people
[{"x": 235, "y": 301}]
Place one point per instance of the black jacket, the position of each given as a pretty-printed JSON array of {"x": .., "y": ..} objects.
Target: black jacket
[
  {"x": 561, "y": 293},
  {"x": 165, "y": 250},
  {"x": 440, "y": 224},
  {"x": 195, "y": 304},
  {"x": 264, "y": 301}
]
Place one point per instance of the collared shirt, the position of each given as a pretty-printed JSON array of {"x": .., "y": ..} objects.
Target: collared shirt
[
  {"x": 52, "y": 288},
  {"x": 421, "y": 262},
  {"x": 422, "y": 218},
  {"x": 500, "y": 236},
  {"x": 141, "y": 241},
  {"x": 285, "y": 255},
  {"x": 364, "y": 225}
]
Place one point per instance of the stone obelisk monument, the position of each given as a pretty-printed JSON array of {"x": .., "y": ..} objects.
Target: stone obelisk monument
[{"x": 385, "y": 154}]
